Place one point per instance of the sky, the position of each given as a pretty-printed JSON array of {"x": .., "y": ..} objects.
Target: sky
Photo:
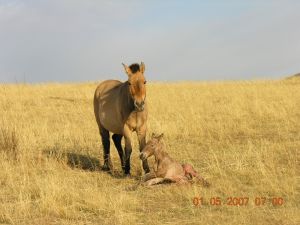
[{"x": 88, "y": 40}]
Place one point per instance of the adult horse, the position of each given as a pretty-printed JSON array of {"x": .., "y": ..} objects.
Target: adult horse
[{"x": 121, "y": 108}]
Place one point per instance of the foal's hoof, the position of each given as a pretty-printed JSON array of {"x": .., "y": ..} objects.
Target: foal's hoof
[{"x": 205, "y": 184}]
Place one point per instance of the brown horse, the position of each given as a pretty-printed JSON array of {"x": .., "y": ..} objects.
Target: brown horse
[
  {"x": 121, "y": 108},
  {"x": 167, "y": 169}
]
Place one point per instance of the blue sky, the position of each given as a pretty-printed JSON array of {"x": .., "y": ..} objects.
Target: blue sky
[{"x": 74, "y": 41}]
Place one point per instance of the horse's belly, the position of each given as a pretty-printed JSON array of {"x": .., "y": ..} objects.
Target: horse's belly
[{"x": 109, "y": 120}]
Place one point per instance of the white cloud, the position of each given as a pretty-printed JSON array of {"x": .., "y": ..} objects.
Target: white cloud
[{"x": 88, "y": 40}]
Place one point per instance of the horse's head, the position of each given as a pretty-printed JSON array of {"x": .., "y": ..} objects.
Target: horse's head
[
  {"x": 137, "y": 84},
  {"x": 152, "y": 146}
]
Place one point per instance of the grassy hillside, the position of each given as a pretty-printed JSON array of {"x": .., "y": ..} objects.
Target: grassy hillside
[{"x": 244, "y": 137}]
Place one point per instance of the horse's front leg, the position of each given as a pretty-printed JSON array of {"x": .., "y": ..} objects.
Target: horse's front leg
[
  {"x": 141, "y": 133},
  {"x": 128, "y": 149}
]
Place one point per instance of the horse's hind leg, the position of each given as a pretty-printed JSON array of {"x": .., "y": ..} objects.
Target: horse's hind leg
[
  {"x": 117, "y": 138},
  {"x": 128, "y": 149},
  {"x": 106, "y": 148}
]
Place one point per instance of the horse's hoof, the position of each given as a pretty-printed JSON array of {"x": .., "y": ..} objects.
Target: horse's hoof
[
  {"x": 105, "y": 168},
  {"x": 147, "y": 170},
  {"x": 126, "y": 171},
  {"x": 127, "y": 175}
]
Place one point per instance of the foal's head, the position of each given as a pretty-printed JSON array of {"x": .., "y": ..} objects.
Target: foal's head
[
  {"x": 152, "y": 147},
  {"x": 137, "y": 84}
]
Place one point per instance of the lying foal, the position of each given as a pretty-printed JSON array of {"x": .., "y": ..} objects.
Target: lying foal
[{"x": 167, "y": 169}]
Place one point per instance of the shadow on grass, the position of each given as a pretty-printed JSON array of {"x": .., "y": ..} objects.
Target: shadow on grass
[
  {"x": 74, "y": 160},
  {"x": 80, "y": 161},
  {"x": 63, "y": 99},
  {"x": 71, "y": 100}
]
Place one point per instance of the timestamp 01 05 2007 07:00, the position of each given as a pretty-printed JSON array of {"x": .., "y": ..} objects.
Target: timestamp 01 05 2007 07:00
[{"x": 237, "y": 201}]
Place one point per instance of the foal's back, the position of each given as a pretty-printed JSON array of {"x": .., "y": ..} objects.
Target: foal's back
[{"x": 172, "y": 167}]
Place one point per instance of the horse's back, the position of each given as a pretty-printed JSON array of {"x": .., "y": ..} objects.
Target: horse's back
[
  {"x": 106, "y": 86},
  {"x": 106, "y": 106}
]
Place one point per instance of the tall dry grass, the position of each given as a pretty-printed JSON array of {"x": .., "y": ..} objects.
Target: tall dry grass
[{"x": 244, "y": 137}]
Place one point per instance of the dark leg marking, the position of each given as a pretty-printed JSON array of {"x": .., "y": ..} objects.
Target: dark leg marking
[
  {"x": 127, "y": 160},
  {"x": 106, "y": 148},
  {"x": 117, "y": 138}
]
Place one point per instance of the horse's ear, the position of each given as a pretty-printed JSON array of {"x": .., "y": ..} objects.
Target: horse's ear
[
  {"x": 127, "y": 69},
  {"x": 142, "y": 67}
]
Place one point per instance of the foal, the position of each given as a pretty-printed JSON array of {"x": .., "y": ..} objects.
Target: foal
[{"x": 167, "y": 169}]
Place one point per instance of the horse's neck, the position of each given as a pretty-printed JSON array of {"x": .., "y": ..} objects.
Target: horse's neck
[{"x": 127, "y": 105}]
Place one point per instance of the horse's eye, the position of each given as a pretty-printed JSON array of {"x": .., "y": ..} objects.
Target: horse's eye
[
  {"x": 145, "y": 82},
  {"x": 129, "y": 83}
]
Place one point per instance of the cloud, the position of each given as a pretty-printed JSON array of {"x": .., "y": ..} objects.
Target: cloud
[
  {"x": 53, "y": 40},
  {"x": 87, "y": 40}
]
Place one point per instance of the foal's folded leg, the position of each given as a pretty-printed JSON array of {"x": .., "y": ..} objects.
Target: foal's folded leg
[
  {"x": 184, "y": 180},
  {"x": 178, "y": 179},
  {"x": 148, "y": 176},
  {"x": 190, "y": 172},
  {"x": 157, "y": 180}
]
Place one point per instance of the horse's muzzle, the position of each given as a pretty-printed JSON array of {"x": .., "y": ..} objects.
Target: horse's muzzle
[{"x": 139, "y": 106}]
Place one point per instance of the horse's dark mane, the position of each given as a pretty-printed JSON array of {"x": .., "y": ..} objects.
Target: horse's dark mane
[{"x": 134, "y": 67}]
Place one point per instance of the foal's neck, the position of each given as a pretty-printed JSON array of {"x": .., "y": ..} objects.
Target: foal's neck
[{"x": 160, "y": 154}]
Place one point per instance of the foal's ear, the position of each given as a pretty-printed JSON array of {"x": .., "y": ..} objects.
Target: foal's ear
[
  {"x": 127, "y": 69},
  {"x": 142, "y": 67},
  {"x": 160, "y": 136},
  {"x": 152, "y": 135}
]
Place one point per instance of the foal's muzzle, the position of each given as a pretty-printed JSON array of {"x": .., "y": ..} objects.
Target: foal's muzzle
[
  {"x": 143, "y": 156},
  {"x": 139, "y": 106}
]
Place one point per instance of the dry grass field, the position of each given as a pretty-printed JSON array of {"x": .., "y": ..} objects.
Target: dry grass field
[{"x": 243, "y": 136}]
